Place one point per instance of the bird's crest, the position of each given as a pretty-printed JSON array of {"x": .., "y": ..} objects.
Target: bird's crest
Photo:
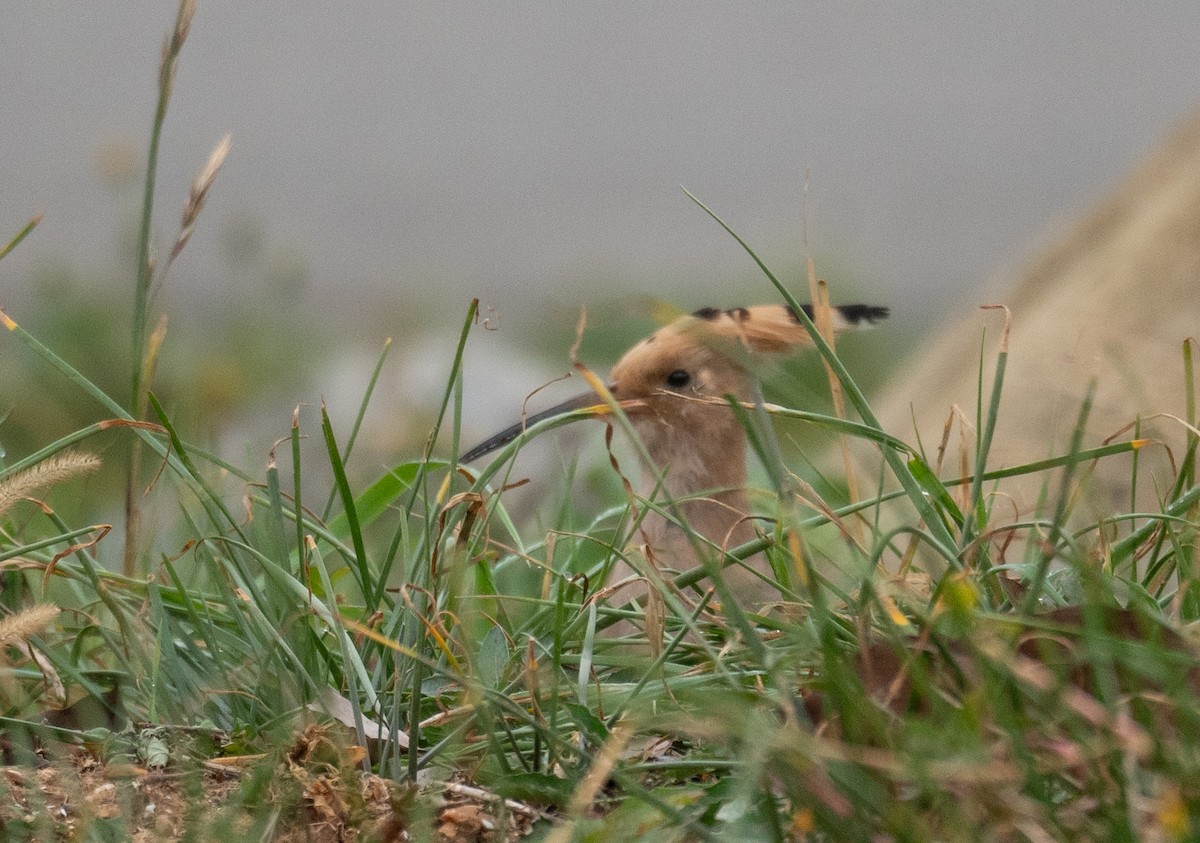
[
  {"x": 731, "y": 335},
  {"x": 775, "y": 327}
]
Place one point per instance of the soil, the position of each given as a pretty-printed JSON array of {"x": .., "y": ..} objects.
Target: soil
[{"x": 59, "y": 798}]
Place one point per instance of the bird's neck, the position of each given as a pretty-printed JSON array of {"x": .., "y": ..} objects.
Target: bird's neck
[
  {"x": 714, "y": 464},
  {"x": 706, "y": 476}
]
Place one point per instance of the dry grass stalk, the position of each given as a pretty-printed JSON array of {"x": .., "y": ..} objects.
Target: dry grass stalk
[{"x": 48, "y": 472}]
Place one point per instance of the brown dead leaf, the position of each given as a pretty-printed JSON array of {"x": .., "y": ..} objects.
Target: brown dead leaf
[{"x": 463, "y": 824}]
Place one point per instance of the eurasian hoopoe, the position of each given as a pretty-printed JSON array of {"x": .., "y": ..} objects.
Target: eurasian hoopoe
[{"x": 673, "y": 386}]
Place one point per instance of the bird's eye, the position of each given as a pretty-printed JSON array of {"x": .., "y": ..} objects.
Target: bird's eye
[{"x": 679, "y": 378}]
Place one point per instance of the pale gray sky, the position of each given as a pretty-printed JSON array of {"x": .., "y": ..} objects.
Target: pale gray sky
[{"x": 501, "y": 147}]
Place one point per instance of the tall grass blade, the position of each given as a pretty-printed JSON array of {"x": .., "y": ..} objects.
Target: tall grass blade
[
  {"x": 145, "y": 276},
  {"x": 1051, "y": 542},
  {"x": 899, "y": 469},
  {"x": 19, "y": 236},
  {"x": 358, "y": 420},
  {"x": 372, "y": 590},
  {"x": 973, "y": 524}
]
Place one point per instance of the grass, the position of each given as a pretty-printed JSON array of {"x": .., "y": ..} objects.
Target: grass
[{"x": 931, "y": 668}]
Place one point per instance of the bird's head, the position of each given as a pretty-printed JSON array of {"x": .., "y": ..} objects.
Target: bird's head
[{"x": 674, "y": 384}]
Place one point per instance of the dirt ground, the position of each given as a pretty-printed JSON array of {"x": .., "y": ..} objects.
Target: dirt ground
[{"x": 303, "y": 797}]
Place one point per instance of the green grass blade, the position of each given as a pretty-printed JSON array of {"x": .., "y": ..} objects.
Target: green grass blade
[
  {"x": 1038, "y": 579},
  {"x": 358, "y": 420},
  {"x": 372, "y": 591},
  {"x": 20, "y": 235},
  {"x": 987, "y": 427},
  {"x": 298, "y": 514},
  {"x": 276, "y": 536},
  {"x": 200, "y": 487}
]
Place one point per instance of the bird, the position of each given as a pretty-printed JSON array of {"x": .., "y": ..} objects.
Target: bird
[{"x": 674, "y": 387}]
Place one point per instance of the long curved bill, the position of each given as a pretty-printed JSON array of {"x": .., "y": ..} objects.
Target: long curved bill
[{"x": 590, "y": 403}]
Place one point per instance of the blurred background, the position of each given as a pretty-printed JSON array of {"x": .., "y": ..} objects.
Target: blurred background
[{"x": 391, "y": 161}]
